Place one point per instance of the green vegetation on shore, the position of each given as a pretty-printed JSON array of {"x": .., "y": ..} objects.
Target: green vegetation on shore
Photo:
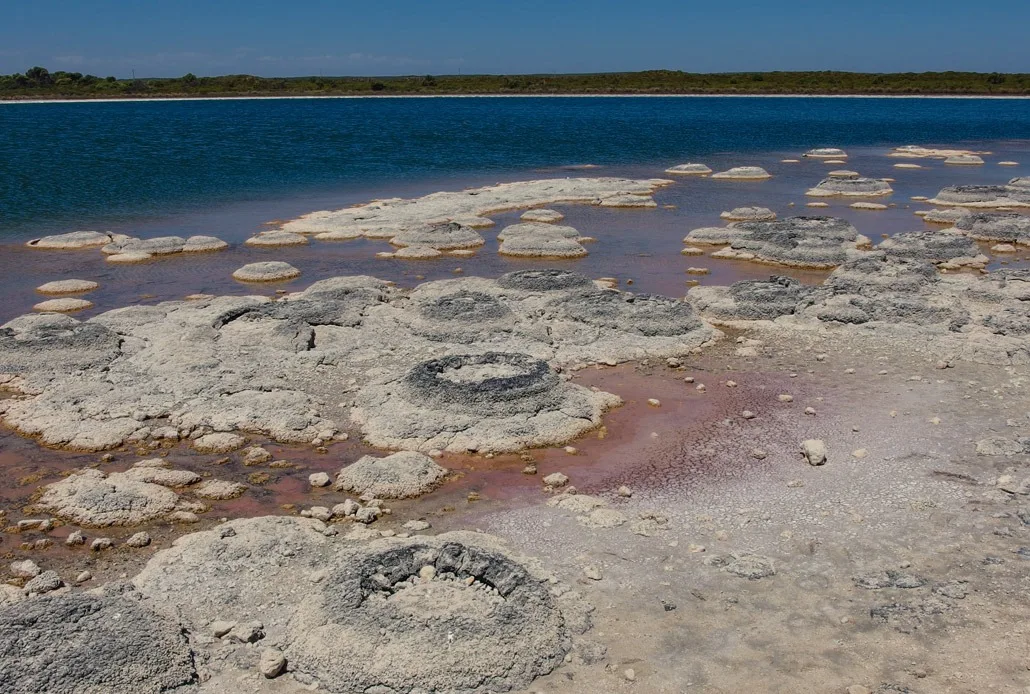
[{"x": 38, "y": 82}]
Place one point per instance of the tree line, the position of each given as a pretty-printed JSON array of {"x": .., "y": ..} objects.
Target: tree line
[{"x": 38, "y": 82}]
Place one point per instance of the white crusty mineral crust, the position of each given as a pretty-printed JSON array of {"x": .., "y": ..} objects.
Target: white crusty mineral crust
[
  {"x": 744, "y": 173},
  {"x": 385, "y": 219},
  {"x": 65, "y": 305},
  {"x": 72, "y": 241},
  {"x": 689, "y": 170},
  {"x": 401, "y": 475},
  {"x": 271, "y": 271},
  {"x": 67, "y": 287}
]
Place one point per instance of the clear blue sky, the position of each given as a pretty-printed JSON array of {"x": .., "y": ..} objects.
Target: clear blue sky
[{"x": 308, "y": 37}]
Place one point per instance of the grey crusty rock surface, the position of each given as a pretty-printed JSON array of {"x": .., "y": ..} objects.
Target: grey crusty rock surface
[
  {"x": 217, "y": 367},
  {"x": 489, "y": 402},
  {"x": 398, "y": 476},
  {"x": 816, "y": 242},
  {"x": 92, "y": 644},
  {"x": 850, "y": 187},
  {"x": 1007, "y": 227},
  {"x": 453, "y": 613}
]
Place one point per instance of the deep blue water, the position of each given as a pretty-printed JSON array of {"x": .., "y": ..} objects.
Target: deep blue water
[{"x": 68, "y": 165}]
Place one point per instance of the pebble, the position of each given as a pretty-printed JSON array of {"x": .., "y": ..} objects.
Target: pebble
[
  {"x": 101, "y": 543},
  {"x": 417, "y": 525},
  {"x": 814, "y": 451},
  {"x": 75, "y": 538},
  {"x": 860, "y": 453},
  {"x": 625, "y": 491},
  {"x": 25, "y": 569},
  {"x": 731, "y": 384},
  {"x": 319, "y": 479},
  {"x": 701, "y": 387},
  {"x": 759, "y": 454},
  {"x": 747, "y": 414},
  {"x": 556, "y": 479},
  {"x": 248, "y": 632},
  {"x": 810, "y": 410},
  {"x": 272, "y": 663},
  {"x": 630, "y": 674},
  {"x": 138, "y": 540},
  {"x": 83, "y": 577},
  {"x": 571, "y": 450},
  {"x": 688, "y": 379},
  {"x": 695, "y": 549},
  {"x": 221, "y": 628},
  {"x": 593, "y": 573},
  {"x": 784, "y": 397},
  {"x": 654, "y": 402}
]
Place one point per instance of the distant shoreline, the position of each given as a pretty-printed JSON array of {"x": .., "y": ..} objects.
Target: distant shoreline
[{"x": 268, "y": 97}]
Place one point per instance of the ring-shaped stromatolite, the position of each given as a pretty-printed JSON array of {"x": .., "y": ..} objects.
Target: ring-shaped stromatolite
[
  {"x": 480, "y": 379},
  {"x": 647, "y": 314},
  {"x": 428, "y": 616}
]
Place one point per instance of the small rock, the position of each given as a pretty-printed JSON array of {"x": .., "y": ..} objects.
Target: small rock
[
  {"x": 138, "y": 540},
  {"x": 625, "y": 491},
  {"x": 427, "y": 572},
  {"x": 629, "y": 674},
  {"x": 25, "y": 569},
  {"x": 654, "y": 402},
  {"x": 417, "y": 525},
  {"x": 747, "y": 414},
  {"x": 346, "y": 509},
  {"x": 367, "y": 514},
  {"x": 320, "y": 513},
  {"x": 256, "y": 455},
  {"x": 221, "y": 628},
  {"x": 784, "y": 397},
  {"x": 319, "y": 479},
  {"x": 695, "y": 549},
  {"x": 731, "y": 384},
  {"x": 814, "y": 451},
  {"x": 46, "y": 582},
  {"x": 593, "y": 573},
  {"x": 860, "y": 453},
  {"x": 759, "y": 454},
  {"x": 810, "y": 410},
  {"x": 272, "y": 663},
  {"x": 75, "y": 538},
  {"x": 701, "y": 388},
  {"x": 571, "y": 450},
  {"x": 529, "y": 469},
  {"x": 556, "y": 479},
  {"x": 102, "y": 543},
  {"x": 858, "y": 689},
  {"x": 83, "y": 577},
  {"x": 248, "y": 632}
]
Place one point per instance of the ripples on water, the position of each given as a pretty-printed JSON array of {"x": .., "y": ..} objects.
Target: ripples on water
[{"x": 227, "y": 167}]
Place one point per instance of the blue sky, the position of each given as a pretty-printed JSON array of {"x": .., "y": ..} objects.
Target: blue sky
[{"x": 309, "y": 37}]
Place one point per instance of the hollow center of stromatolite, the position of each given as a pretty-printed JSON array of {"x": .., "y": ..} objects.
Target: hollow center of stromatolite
[
  {"x": 477, "y": 373},
  {"x": 446, "y": 598}
]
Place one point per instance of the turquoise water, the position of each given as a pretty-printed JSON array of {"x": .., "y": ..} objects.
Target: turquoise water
[{"x": 77, "y": 165}]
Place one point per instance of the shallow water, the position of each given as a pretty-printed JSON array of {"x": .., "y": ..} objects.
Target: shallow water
[
  {"x": 632, "y": 244},
  {"x": 81, "y": 164}
]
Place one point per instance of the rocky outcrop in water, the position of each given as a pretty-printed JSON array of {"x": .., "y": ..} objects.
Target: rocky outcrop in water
[
  {"x": 1006, "y": 227},
  {"x": 817, "y": 242},
  {"x": 985, "y": 196},
  {"x": 856, "y": 186},
  {"x": 385, "y": 219}
]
